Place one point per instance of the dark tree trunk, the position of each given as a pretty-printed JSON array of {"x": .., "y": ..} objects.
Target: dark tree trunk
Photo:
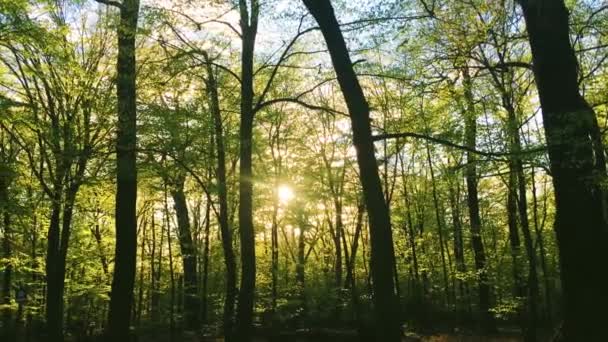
[
  {"x": 439, "y": 219},
  {"x": 458, "y": 240},
  {"x": 244, "y": 317},
  {"x": 155, "y": 268},
  {"x": 167, "y": 226},
  {"x": 125, "y": 255},
  {"x": 57, "y": 248},
  {"x": 6, "y": 247},
  {"x": 205, "y": 284},
  {"x": 382, "y": 258},
  {"x": 470, "y": 119},
  {"x": 189, "y": 256},
  {"x": 102, "y": 257},
  {"x": 226, "y": 233},
  {"x": 541, "y": 250},
  {"x": 274, "y": 254},
  {"x": 54, "y": 298},
  {"x": 522, "y": 206},
  {"x": 142, "y": 251},
  {"x": 349, "y": 282},
  {"x": 514, "y": 240},
  {"x": 408, "y": 228},
  {"x": 580, "y": 222},
  {"x": 338, "y": 232}
]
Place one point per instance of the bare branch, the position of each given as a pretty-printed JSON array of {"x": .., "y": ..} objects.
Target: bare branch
[
  {"x": 452, "y": 144},
  {"x": 112, "y": 3}
]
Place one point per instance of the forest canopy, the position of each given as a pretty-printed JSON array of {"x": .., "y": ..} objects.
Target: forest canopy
[{"x": 186, "y": 170}]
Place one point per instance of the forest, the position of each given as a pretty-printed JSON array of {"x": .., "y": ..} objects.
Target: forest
[{"x": 303, "y": 170}]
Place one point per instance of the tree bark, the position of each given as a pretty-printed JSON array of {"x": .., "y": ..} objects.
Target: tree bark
[
  {"x": 461, "y": 268},
  {"x": 189, "y": 258},
  {"x": 382, "y": 258},
  {"x": 580, "y": 221},
  {"x": 125, "y": 255},
  {"x": 439, "y": 219},
  {"x": 205, "y": 282},
  {"x": 58, "y": 241},
  {"x": 470, "y": 119},
  {"x": 514, "y": 240},
  {"x": 244, "y": 317},
  {"x": 6, "y": 247}
]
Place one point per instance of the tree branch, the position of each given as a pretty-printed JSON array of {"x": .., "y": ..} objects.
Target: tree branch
[
  {"x": 112, "y": 3},
  {"x": 452, "y": 144}
]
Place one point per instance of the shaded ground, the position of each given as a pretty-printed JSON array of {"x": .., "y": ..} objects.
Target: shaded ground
[{"x": 347, "y": 336}]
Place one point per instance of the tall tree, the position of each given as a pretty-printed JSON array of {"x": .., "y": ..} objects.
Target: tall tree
[
  {"x": 382, "y": 258},
  {"x": 470, "y": 119},
  {"x": 189, "y": 255},
  {"x": 574, "y": 148},
  {"x": 123, "y": 282},
  {"x": 249, "y": 11},
  {"x": 229, "y": 258}
]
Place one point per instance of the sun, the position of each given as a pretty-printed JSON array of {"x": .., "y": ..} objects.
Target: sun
[{"x": 285, "y": 194}]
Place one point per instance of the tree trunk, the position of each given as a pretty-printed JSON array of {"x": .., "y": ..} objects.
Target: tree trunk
[
  {"x": 541, "y": 246},
  {"x": 522, "y": 206},
  {"x": 580, "y": 222},
  {"x": 155, "y": 267},
  {"x": 58, "y": 241},
  {"x": 167, "y": 226},
  {"x": 350, "y": 267},
  {"x": 274, "y": 253},
  {"x": 458, "y": 240},
  {"x": 382, "y": 259},
  {"x": 188, "y": 252},
  {"x": 125, "y": 255},
  {"x": 439, "y": 219},
  {"x": 338, "y": 232},
  {"x": 408, "y": 228},
  {"x": 6, "y": 247},
  {"x": 140, "y": 296},
  {"x": 514, "y": 240},
  {"x": 226, "y": 233},
  {"x": 244, "y": 317},
  {"x": 473, "y": 204},
  {"x": 205, "y": 284}
]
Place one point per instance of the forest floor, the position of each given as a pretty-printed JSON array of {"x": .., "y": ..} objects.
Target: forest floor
[
  {"x": 351, "y": 336},
  {"x": 416, "y": 338}
]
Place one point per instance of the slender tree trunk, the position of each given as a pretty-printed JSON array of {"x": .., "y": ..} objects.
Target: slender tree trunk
[
  {"x": 58, "y": 241},
  {"x": 409, "y": 229},
  {"x": 514, "y": 240},
  {"x": 541, "y": 245},
  {"x": 102, "y": 257},
  {"x": 6, "y": 248},
  {"x": 439, "y": 219},
  {"x": 54, "y": 298},
  {"x": 301, "y": 259},
  {"x": 473, "y": 204},
  {"x": 121, "y": 298},
  {"x": 382, "y": 258},
  {"x": 188, "y": 252},
  {"x": 350, "y": 267},
  {"x": 167, "y": 226},
  {"x": 274, "y": 253},
  {"x": 155, "y": 267},
  {"x": 458, "y": 240},
  {"x": 140, "y": 297},
  {"x": 244, "y": 317},
  {"x": 338, "y": 232},
  {"x": 578, "y": 168},
  {"x": 205, "y": 284},
  {"x": 522, "y": 206},
  {"x": 226, "y": 233}
]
